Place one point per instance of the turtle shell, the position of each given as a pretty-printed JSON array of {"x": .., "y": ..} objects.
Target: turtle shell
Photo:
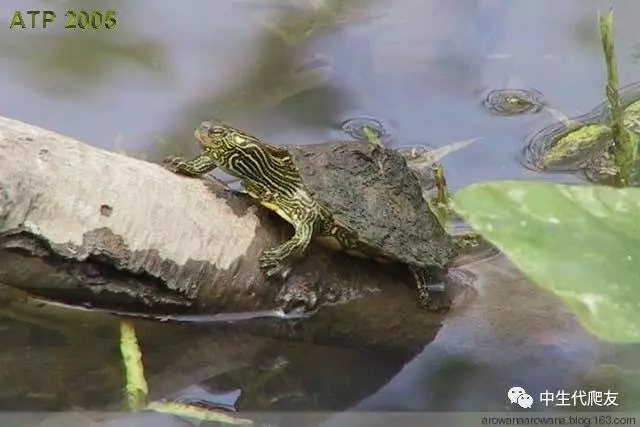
[{"x": 372, "y": 191}]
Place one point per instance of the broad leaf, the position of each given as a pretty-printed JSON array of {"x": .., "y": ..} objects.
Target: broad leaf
[{"x": 580, "y": 242}]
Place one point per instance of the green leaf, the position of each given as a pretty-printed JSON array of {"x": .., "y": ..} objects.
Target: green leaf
[{"x": 580, "y": 242}]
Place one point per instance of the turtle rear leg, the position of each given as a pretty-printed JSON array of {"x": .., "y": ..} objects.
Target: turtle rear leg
[{"x": 431, "y": 288}]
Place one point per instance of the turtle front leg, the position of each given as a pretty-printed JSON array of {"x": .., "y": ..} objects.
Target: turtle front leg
[
  {"x": 195, "y": 167},
  {"x": 431, "y": 287},
  {"x": 276, "y": 261}
]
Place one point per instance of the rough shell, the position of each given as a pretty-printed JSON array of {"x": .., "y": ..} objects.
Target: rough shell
[{"x": 373, "y": 191}]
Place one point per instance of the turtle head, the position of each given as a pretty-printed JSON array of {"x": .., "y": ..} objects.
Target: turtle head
[
  {"x": 218, "y": 137},
  {"x": 223, "y": 142}
]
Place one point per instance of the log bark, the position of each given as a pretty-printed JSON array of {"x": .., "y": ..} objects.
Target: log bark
[{"x": 94, "y": 228}]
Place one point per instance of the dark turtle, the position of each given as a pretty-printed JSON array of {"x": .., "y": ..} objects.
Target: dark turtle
[{"x": 354, "y": 196}]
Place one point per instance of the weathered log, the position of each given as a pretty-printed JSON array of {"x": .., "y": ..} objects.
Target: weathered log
[{"x": 90, "y": 227}]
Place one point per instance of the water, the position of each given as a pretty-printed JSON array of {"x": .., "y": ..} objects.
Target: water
[{"x": 420, "y": 68}]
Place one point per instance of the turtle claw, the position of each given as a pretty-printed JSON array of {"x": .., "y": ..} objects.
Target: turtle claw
[
  {"x": 435, "y": 302},
  {"x": 433, "y": 294},
  {"x": 172, "y": 163},
  {"x": 274, "y": 268},
  {"x": 299, "y": 294}
]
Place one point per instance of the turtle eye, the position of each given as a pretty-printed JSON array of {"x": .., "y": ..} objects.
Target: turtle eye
[{"x": 217, "y": 131}]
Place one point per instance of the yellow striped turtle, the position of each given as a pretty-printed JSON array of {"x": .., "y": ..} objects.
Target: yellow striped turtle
[{"x": 358, "y": 197}]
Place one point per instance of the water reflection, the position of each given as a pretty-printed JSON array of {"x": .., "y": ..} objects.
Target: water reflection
[{"x": 58, "y": 359}]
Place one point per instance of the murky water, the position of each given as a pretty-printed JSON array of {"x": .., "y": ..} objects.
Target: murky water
[{"x": 420, "y": 68}]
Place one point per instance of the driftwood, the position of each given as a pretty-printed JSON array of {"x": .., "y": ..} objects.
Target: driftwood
[{"x": 93, "y": 228}]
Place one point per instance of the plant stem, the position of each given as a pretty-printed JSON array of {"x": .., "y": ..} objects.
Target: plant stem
[
  {"x": 624, "y": 149},
  {"x": 442, "y": 199},
  {"x": 136, "y": 384}
]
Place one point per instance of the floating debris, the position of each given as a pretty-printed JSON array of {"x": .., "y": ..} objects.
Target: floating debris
[
  {"x": 355, "y": 128},
  {"x": 513, "y": 102},
  {"x": 582, "y": 144},
  {"x": 196, "y": 412}
]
